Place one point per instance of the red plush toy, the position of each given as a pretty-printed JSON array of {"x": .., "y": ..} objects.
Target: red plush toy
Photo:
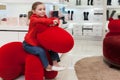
[
  {"x": 111, "y": 43},
  {"x": 14, "y": 61}
]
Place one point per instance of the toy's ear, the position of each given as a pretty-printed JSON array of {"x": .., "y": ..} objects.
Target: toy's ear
[
  {"x": 114, "y": 26},
  {"x": 56, "y": 39},
  {"x": 110, "y": 19}
]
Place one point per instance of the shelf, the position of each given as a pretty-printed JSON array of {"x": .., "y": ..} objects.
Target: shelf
[
  {"x": 7, "y": 27},
  {"x": 82, "y": 7},
  {"x": 113, "y": 7},
  {"x": 84, "y": 23}
]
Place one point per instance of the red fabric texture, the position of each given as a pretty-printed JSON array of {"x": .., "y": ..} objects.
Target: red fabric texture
[
  {"x": 33, "y": 69},
  {"x": 111, "y": 49},
  {"x": 14, "y": 61},
  {"x": 12, "y": 58},
  {"x": 50, "y": 74},
  {"x": 114, "y": 25},
  {"x": 56, "y": 39},
  {"x": 111, "y": 42}
]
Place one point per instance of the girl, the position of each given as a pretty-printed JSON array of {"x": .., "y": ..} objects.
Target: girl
[{"x": 39, "y": 23}]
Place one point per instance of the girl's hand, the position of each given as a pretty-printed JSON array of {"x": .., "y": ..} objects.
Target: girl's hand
[{"x": 55, "y": 22}]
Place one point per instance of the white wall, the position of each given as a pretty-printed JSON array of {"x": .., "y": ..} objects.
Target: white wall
[
  {"x": 29, "y": 1},
  {"x": 14, "y": 9}
]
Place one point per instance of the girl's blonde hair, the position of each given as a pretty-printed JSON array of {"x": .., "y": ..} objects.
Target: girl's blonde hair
[{"x": 34, "y": 6}]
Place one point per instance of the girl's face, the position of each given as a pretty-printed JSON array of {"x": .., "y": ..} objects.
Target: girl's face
[{"x": 40, "y": 10}]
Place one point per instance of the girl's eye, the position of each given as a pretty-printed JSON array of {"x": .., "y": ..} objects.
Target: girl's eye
[
  {"x": 43, "y": 8},
  {"x": 40, "y": 9}
]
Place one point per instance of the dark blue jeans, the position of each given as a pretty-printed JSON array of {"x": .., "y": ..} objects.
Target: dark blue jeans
[{"x": 40, "y": 52}]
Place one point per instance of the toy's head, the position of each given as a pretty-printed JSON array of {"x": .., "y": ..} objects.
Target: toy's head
[
  {"x": 56, "y": 39},
  {"x": 114, "y": 25}
]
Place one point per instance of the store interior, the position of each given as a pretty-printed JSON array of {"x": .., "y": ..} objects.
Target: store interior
[{"x": 87, "y": 21}]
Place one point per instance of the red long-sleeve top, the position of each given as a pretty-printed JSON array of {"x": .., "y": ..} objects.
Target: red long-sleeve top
[{"x": 37, "y": 25}]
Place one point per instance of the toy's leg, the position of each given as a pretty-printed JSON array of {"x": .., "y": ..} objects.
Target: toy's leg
[
  {"x": 50, "y": 74},
  {"x": 33, "y": 68},
  {"x": 10, "y": 73}
]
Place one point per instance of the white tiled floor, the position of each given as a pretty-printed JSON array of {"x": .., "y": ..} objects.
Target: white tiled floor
[{"x": 81, "y": 49}]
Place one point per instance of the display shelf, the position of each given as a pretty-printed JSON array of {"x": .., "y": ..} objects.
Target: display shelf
[
  {"x": 113, "y": 7},
  {"x": 8, "y": 27},
  {"x": 91, "y": 26},
  {"x": 85, "y": 23},
  {"x": 80, "y": 7}
]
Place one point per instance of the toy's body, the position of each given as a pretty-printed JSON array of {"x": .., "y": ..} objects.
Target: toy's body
[{"x": 15, "y": 61}]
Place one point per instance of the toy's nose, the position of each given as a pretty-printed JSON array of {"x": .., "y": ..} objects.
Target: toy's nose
[{"x": 56, "y": 39}]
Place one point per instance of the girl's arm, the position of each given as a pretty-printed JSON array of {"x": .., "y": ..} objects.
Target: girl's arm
[{"x": 47, "y": 21}]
